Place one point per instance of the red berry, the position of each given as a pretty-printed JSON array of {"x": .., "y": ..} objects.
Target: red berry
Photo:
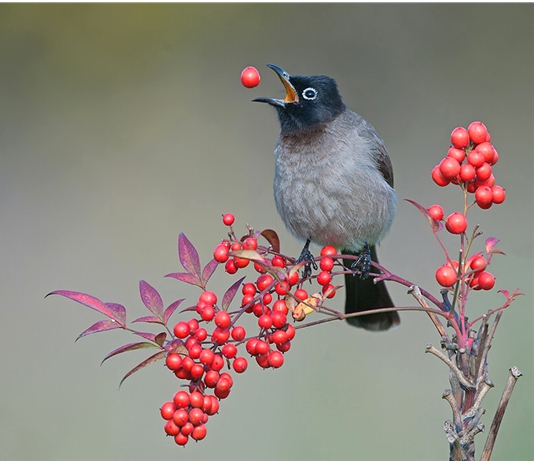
[
  {"x": 173, "y": 361},
  {"x": 301, "y": 294},
  {"x": 489, "y": 182},
  {"x": 208, "y": 297},
  {"x": 214, "y": 406},
  {"x": 290, "y": 332},
  {"x": 250, "y": 244},
  {"x": 167, "y": 410},
  {"x": 265, "y": 321},
  {"x": 223, "y": 385},
  {"x": 293, "y": 278},
  {"x": 436, "y": 212},
  {"x": 263, "y": 360},
  {"x": 240, "y": 364},
  {"x": 171, "y": 428},
  {"x": 276, "y": 359},
  {"x": 199, "y": 432},
  {"x": 196, "y": 416},
  {"x": 456, "y": 223},
  {"x": 495, "y": 158},
  {"x": 218, "y": 363},
  {"x": 182, "y": 330},
  {"x": 181, "y": 439},
  {"x": 483, "y": 196},
  {"x": 261, "y": 347},
  {"x": 279, "y": 319},
  {"x": 259, "y": 309},
  {"x": 220, "y": 254},
  {"x": 330, "y": 289},
  {"x": 326, "y": 263},
  {"x": 206, "y": 357},
  {"x": 220, "y": 335},
  {"x": 250, "y": 77},
  {"x": 438, "y": 177},
  {"x": 238, "y": 333},
  {"x": 194, "y": 350},
  {"x": 486, "y": 281},
  {"x": 201, "y": 334},
  {"x": 229, "y": 351},
  {"x": 446, "y": 276},
  {"x": 251, "y": 346},
  {"x": 280, "y": 337},
  {"x": 222, "y": 319},
  {"x": 228, "y": 219},
  {"x": 181, "y": 399},
  {"x": 324, "y": 277},
  {"x": 284, "y": 347},
  {"x": 280, "y": 306},
  {"x": 180, "y": 417},
  {"x": 456, "y": 154},
  {"x": 278, "y": 261},
  {"x": 477, "y": 132},
  {"x": 467, "y": 172},
  {"x": 211, "y": 379},
  {"x": 460, "y": 137},
  {"x": 487, "y": 150},
  {"x": 281, "y": 288},
  {"x": 248, "y": 289},
  {"x": 196, "y": 399},
  {"x": 449, "y": 168},
  {"x": 328, "y": 250},
  {"x": 207, "y": 313},
  {"x": 475, "y": 158},
  {"x": 264, "y": 281},
  {"x": 478, "y": 263},
  {"x": 483, "y": 172},
  {"x": 187, "y": 363},
  {"x": 498, "y": 194}
]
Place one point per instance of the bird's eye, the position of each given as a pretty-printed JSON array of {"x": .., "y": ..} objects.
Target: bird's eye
[{"x": 309, "y": 93}]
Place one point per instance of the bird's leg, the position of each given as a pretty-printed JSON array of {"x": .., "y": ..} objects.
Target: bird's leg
[
  {"x": 363, "y": 263},
  {"x": 307, "y": 257}
]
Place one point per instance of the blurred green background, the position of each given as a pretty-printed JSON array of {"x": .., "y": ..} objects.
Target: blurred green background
[{"x": 123, "y": 125}]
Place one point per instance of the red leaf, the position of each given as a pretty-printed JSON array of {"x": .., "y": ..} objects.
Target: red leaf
[
  {"x": 491, "y": 243},
  {"x": 108, "y": 309},
  {"x": 102, "y": 325},
  {"x": 170, "y": 310},
  {"x": 272, "y": 237},
  {"x": 129, "y": 347},
  {"x": 188, "y": 256},
  {"x": 153, "y": 358},
  {"x": 148, "y": 319},
  {"x": 436, "y": 225},
  {"x": 151, "y": 299},
  {"x": 230, "y": 293},
  {"x": 208, "y": 271},
  {"x": 187, "y": 278}
]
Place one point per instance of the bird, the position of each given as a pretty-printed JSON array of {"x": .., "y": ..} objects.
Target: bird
[{"x": 333, "y": 185}]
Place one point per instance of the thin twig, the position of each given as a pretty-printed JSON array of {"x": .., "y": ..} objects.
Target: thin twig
[
  {"x": 415, "y": 291},
  {"x": 497, "y": 419},
  {"x": 456, "y": 414},
  {"x": 461, "y": 378},
  {"x": 487, "y": 344}
]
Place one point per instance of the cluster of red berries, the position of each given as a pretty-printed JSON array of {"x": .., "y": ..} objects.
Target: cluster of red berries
[
  {"x": 200, "y": 356},
  {"x": 468, "y": 164}
]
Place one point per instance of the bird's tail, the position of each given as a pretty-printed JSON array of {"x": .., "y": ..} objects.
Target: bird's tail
[{"x": 364, "y": 295}]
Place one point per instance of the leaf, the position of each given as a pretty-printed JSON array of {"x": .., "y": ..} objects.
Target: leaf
[
  {"x": 187, "y": 278},
  {"x": 160, "y": 339},
  {"x": 148, "y": 319},
  {"x": 230, "y": 294},
  {"x": 153, "y": 358},
  {"x": 491, "y": 243},
  {"x": 151, "y": 299},
  {"x": 436, "y": 225},
  {"x": 176, "y": 345},
  {"x": 189, "y": 309},
  {"x": 149, "y": 336},
  {"x": 170, "y": 310},
  {"x": 102, "y": 325},
  {"x": 252, "y": 255},
  {"x": 108, "y": 309},
  {"x": 272, "y": 237},
  {"x": 208, "y": 271},
  {"x": 188, "y": 256},
  {"x": 127, "y": 348}
]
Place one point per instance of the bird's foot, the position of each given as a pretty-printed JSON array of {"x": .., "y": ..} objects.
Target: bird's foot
[
  {"x": 307, "y": 257},
  {"x": 363, "y": 263}
]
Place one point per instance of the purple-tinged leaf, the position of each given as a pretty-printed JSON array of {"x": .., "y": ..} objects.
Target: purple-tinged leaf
[
  {"x": 160, "y": 339},
  {"x": 491, "y": 243},
  {"x": 189, "y": 309},
  {"x": 108, "y": 309},
  {"x": 149, "y": 336},
  {"x": 176, "y": 345},
  {"x": 102, "y": 325},
  {"x": 230, "y": 293},
  {"x": 251, "y": 255},
  {"x": 272, "y": 237},
  {"x": 119, "y": 310},
  {"x": 208, "y": 271},
  {"x": 151, "y": 299},
  {"x": 148, "y": 319},
  {"x": 436, "y": 225},
  {"x": 187, "y": 278},
  {"x": 170, "y": 310},
  {"x": 153, "y": 358},
  {"x": 188, "y": 256},
  {"x": 129, "y": 347}
]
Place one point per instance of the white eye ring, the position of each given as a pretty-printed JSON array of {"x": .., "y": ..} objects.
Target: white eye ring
[{"x": 309, "y": 93}]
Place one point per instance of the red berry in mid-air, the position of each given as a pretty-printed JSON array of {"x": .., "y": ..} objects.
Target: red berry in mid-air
[
  {"x": 456, "y": 223},
  {"x": 477, "y": 132},
  {"x": 228, "y": 219},
  {"x": 460, "y": 138},
  {"x": 436, "y": 212},
  {"x": 250, "y": 77}
]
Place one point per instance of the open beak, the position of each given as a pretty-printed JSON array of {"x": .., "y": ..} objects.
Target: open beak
[{"x": 291, "y": 93}]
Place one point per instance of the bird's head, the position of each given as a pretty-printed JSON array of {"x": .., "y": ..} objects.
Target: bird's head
[{"x": 309, "y": 102}]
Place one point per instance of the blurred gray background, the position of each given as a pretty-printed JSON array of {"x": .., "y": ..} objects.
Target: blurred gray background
[{"x": 123, "y": 125}]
